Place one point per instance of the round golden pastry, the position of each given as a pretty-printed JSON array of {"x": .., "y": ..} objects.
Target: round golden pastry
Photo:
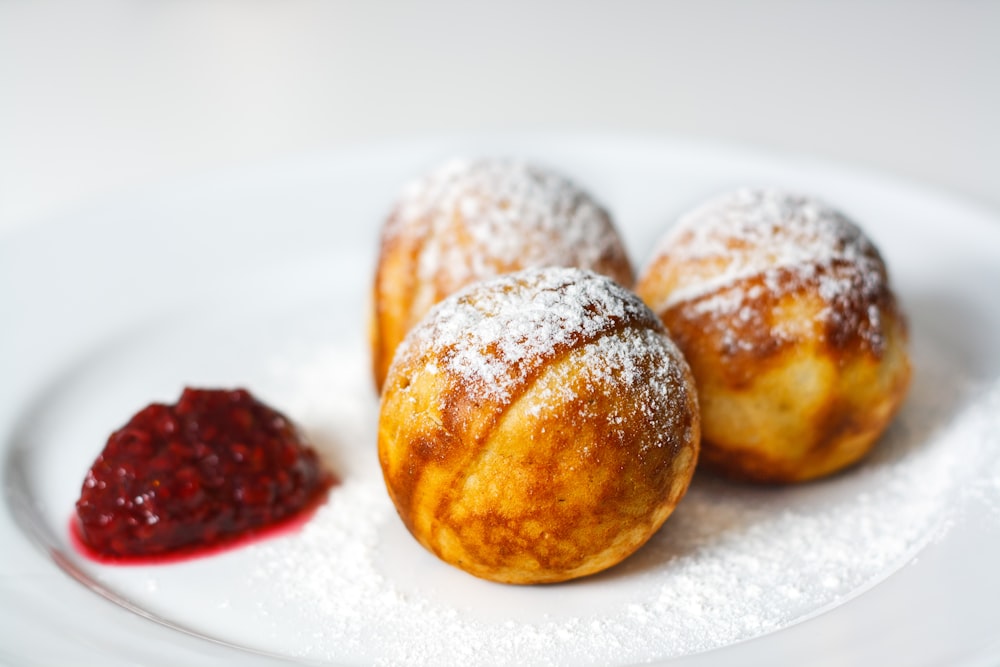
[
  {"x": 783, "y": 308},
  {"x": 538, "y": 427},
  {"x": 473, "y": 220}
]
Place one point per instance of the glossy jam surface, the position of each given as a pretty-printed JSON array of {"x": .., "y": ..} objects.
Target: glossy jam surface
[{"x": 192, "y": 477}]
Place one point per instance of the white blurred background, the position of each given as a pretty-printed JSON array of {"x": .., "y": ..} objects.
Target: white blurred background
[{"x": 100, "y": 98}]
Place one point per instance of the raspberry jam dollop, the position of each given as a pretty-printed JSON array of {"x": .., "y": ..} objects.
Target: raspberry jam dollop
[{"x": 211, "y": 469}]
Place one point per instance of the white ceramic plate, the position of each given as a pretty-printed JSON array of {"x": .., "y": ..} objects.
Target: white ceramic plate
[{"x": 259, "y": 277}]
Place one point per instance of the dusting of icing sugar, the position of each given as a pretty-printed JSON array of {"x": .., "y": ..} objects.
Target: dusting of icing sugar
[
  {"x": 642, "y": 363},
  {"x": 492, "y": 335},
  {"x": 479, "y": 218},
  {"x": 775, "y": 243},
  {"x": 732, "y": 563},
  {"x": 759, "y": 231}
]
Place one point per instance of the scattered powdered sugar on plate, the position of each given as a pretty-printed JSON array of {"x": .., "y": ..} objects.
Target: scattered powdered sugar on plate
[{"x": 733, "y": 562}]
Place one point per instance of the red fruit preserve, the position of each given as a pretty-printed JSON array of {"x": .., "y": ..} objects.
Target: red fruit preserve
[{"x": 216, "y": 466}]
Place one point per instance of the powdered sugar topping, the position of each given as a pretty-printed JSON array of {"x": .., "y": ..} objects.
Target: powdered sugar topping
[
  {"x": 734, "y": 257},
  {"x": 643, "y": 363},
  {"x": 761, "y": 232},
  {"x": 493, "y": 335},
  {"x": 479, "y": 218}
]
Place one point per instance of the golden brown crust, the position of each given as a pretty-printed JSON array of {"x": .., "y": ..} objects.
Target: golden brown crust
[
  {"x": 471, "y": 221},
  {"x": 800, "y": 365},
  {"x": 563, "y": 467},
  {"x": 797, "y": 414}
]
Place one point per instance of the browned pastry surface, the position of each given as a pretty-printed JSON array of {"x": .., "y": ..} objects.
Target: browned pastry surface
[
  {"x": 538, "y": 427},
  {"x": 473, "y": 220},
  {"x": 783, "y": 308}
]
